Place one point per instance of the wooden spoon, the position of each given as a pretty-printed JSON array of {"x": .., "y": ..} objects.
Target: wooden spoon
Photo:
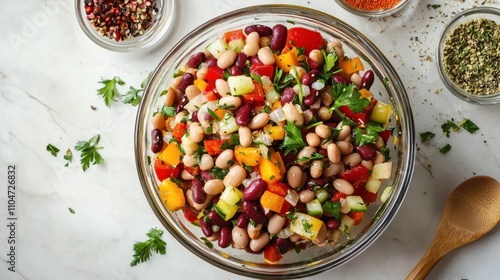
[{"x": 472, "y": 210}]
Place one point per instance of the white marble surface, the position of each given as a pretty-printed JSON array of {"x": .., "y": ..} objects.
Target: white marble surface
[{"x": 48, "y": 81}]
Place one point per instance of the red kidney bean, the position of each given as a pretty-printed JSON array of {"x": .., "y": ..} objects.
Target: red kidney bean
[
  {"x": 206, "y": 175},
  {"x": 310, "y": 77},
  {"x": 235, "y": 71},
  {"x": 316, "y": 182},
  {"x": 250, "y": 251},
  {"x": 313, "y": 64},
  {"x": 287, "y": 95},
  {"x": 253, "y": 211},
  {"x": 217, "y": 220},
  {"x": 332, "y": 223},
  {"x": 254, "y": 190},
  {"x": 339, "y": 79},
  {"x": 211, "y": 61},
  {"x": 242, "y": 221},
  {"x": 283, "y": 245},
  {"x": 262, "y": 30},
  {"x": 241, "y": 60},
  {"x": 367, "y": 79},
  {"x": 206, "y": 227},
  {"x": 199, "y": 195},
  {"x": 182, "y": 102},
  {"x": 311, "y": 98},
  {"x": 367, "y": 152},
  {"x": 196, "y": 59},
  {"x": 323, "y": 152},
  {"x": 242, "y": 117},
  {"x": 225, "y": 237},
  {"x": 194, "y": 116},
  {"x": 255, "y": 60},
  {"x": 278, "y": 37},
  {"x": 187, "y": 80},
  {"x": 156, "y": 140}
]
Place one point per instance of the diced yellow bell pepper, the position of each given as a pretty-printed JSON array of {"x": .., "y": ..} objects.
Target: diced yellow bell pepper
[
  {"x": 287, "y": 60},
  {"x": 277, "y": 160},
  {"x": 225, "y": 210},
  {"x": 269, "y": 170},
  {"x": 200, "y": 84},
  {"x": 272, "y": 201},
  {"x": 276, "y": 132},
  {"x": 171, "y": 154},
  {"x": 381, "y": 113},
  {"x": 366, "y": 93},
  {"x": 171, "y": 195},
  {"x": 249, "y": 156},
  {"x": 306, "y": 225}
]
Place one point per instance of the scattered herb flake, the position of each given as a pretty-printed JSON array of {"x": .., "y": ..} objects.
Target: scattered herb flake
[
  {"x": 448, "y": 126},
  {"x": 468, "y": 125},
  {"x": 68, "y": 156},
  {"x": 52, "y": 149},
  {"x": 71, "y": 210},
  {"x": 445, "y": 149},
  {"x": 425, "y": 137}
]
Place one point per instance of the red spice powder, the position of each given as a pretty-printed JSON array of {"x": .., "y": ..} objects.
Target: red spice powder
[{"x": 373, "y": 4}]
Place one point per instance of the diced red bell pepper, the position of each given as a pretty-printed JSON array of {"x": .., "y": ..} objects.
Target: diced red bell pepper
[
  {"x": 356, "y": 216},
  {"x": 278, "y": 188},
  {"x": 179, "y": 130},
  {"x": 285, "y": 208},
  {"x": 357, "y": 176},
  {"x": 164, "y": 171},
  {"x": 301, "y": 37},
  {"x": 337, "y": 196},
  {"x": 190, "y": 215},
  {"x": 361, "y": 117},
  {"x": 385, "y": 135},
  {"x": 368, "y": 197},
  {"x": 193, "y": 170},
  {"x": 262, "y": 70},
  {"x": 213, "y": 147},
  {"x": 214, "y": 73},
  {"x": 257, "y": 96},
  {"x": 271, "y": 254},
  {"x": 234, "y": 35}
]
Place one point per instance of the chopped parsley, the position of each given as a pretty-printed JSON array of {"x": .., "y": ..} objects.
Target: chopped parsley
[
  {"x": 52, "y": 149},
  {"x": 445, "y": 149},
  {"x": 143, "y": 250},
  {"x": 448, "y": 126},
  {"x": 425, "y": 137},
  {"x": 293, "y": 141},
  {"x": 469, "y": 126}
]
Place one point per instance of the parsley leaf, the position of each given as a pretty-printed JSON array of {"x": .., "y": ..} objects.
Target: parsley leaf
[
  {"x": 89, "y": 152},
  {"x": 293, "y": 141},
  {"x": 168, "y": 111},
  {"x": 314, "y": 156},
  {"x": 68, "y": 156},
  {"x": 333, "y": 208},
  {"x": 369, "y": 135},
  {"x": 52, "y": 149},
  {"x": 142, "y": 250},
  {"x": 330, "y": 60},
  {"x": 109, "y": 91},
  {"x": 448, "y": 126},
  {"x": 469, "y": 126},
  {"x": 132, "y": 96},
  {"x": 425, "y": 137},
  {"x": 445, "y": 149}
]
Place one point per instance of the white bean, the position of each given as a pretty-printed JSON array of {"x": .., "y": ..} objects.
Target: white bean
[
  {"x": 292, "y": 114},
  {"x": 276, "y": 223},
  {"x": 316, "y": 168},
  {"x": 253, "y": 231},
  {"x": 352, "y": 159},
  {"x": 266, "y": 56},
  {"x": 343, "y": 186},
  {"x": 252, "y": 37},
  {"x": 240, "y": 238},
  {"x": 251, "y": 48},
  {"x": 224, "y": 159},
  {"x": 313, "y": 139},
  {"x": 259, "y": 121},
  {"x": 222, "y": 87},
  {"x": 189, "y": 160},
  {"x": 206, "y": 162},
  {"x": 259, "y": 242},
  {"x": 345, "y": 147},
  {"x": 235, "y": 176},
  {"x": 245, "y": 135},
  {"x": 294, "y": 176},
  {"x": 226, "y": 59},
  {"x": 196, "y": 132},
  {"x": 213, "y": 186},
  {"x": 306, "y": 196},
  {"x": 231, "y": 102},
  {"x": 333, "y": 153}
]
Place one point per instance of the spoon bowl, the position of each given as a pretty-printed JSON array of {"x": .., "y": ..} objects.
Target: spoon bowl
[{"x": 471, "y": 211}]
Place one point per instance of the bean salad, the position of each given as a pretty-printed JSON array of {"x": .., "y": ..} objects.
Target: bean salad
[{"x": 270, "y": 140}]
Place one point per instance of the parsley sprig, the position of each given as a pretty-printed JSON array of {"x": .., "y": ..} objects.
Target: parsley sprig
[
  {"x": 109, "y": 91},
  {"x": 348, "y": 95},
  {"x": 132, "y": 96},
  {"x": 143, "y": 250},
  {"x": 293, "y": 141},
  {"x": 89, "y": 152}
]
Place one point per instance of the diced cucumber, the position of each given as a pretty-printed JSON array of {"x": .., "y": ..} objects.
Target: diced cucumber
[
  {"x": 355, "y": 203},
  {"x": 225, "y": 210},
  {"x": 314, "y": 207},
  {"x": 228, "y": 125},
  {"x": 382, "y": 170},
  {"x": 322, "y": 195},
  {"x": 372, "y": 185},
  {"x": 236, "y": 45},
  {"x": 346, "y": 224},
  {"x": 239, "y": 85},
  {"x": 305, "y": 225},
  {"x": 217, "y": 47},
  {"x": 231, "y": 195}
]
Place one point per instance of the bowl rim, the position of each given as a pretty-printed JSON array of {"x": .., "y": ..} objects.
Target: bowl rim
[
  {"x": 476, "y": 12},
  {"x": 153, "y": 35},
  {"x": 406, "y": 161},
  {"x": 373, "y": 13}
]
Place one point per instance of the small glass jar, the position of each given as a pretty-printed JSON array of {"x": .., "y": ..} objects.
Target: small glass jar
[
  {"x": 160, "y": 24},
  {"x": 372, "y": 13}
]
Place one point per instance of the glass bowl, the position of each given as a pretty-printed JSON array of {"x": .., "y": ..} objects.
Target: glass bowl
[
  {"x": 159, "y": 26},
  {"x": 388, "y": 88},
  {"x": 489, "y": 13},
  {"x": 373, "y": 13}
]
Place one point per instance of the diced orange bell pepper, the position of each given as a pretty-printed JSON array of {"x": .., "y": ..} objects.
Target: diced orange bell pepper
[
  {"x": 272, "y": 201},
  {"x": 171, "y": 154},
  {"x": 249, "y": 156},
  {"x": 278, "y": 160},
  {"x": 234, "y": 35},
  {"x": 200, "y": 84},
  {"x": 287, "y": 60},
  {"x": 276, "y": 132},
  {"x": 269, "y": 171},
  {"x": 213, "y": 146},
  {"x": 171, "y": 195},
  {"x": 179, "y": 130},
  {"x": 351, "y": 65}
]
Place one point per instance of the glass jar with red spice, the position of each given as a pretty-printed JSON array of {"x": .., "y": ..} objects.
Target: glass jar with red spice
[{"x": 373, "y": 8}]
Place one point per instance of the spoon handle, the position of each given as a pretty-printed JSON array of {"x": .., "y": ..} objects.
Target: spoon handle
[{"x": 426, "y": 263}]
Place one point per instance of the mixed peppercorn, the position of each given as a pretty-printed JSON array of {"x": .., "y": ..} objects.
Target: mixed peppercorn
[{"x": 121, "y": 20}]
